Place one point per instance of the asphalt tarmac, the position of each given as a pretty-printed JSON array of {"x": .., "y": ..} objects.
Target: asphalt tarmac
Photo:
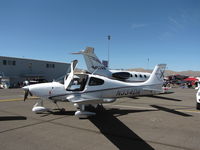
[{"x": 163, "y": 122}]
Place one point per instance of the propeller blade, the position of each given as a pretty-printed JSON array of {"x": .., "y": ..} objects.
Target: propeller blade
[
  {"x": 26, "y": 94},
  {"x": 30, "y": 93}
]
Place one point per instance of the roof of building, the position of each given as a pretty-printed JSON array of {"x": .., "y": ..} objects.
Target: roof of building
[{"x": 8, "y": 57}]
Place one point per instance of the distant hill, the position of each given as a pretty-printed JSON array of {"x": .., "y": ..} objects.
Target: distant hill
[{"x": 170, "y": 72}]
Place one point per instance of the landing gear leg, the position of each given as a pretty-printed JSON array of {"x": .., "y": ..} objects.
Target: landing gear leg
[
  {"x": 61, "y": 109},
  {"x": 100, "y": 107},
  {"x": 39, "y": 103},
  {"x": 39, "y": 108}
]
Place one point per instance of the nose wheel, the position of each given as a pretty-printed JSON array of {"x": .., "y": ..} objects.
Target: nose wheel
[{"x": 38, "y": 108}]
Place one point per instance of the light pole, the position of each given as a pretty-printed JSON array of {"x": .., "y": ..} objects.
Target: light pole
[{"x": 109, "y": 38}]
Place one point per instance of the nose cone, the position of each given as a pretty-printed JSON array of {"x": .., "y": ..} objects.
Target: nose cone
[
  {"x": 27, "y": 92},
  {"x": 25, "y": 88},
  {"x": 39, "y": 90}
]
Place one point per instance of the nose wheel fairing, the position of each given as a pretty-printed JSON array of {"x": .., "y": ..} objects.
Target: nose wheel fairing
[{"x": 39, "y": 108}]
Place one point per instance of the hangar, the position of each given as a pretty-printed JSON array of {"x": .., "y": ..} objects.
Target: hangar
[{"x": 16, "y": 70}]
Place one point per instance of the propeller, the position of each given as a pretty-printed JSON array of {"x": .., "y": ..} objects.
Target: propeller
[{"x": 27, "y": 92}]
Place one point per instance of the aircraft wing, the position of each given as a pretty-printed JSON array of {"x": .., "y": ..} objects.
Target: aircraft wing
[
  {"x": 89, "y": 100},
  {"x": 153, "y": 90}
]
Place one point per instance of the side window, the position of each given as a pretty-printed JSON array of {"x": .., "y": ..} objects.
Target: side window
[
  {"x": 95, "y": 81},
  {"x": 140, "y": 76},
  {"x": 136, "y": 75},
  {"x": 145, "y": 76}
]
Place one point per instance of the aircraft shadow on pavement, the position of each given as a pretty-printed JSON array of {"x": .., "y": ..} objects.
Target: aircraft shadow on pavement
[
  {"x": 166, "y": 98},
  {"x": 11, "y": 118},
  {"x": 57, "y": 112},
  {"x": 116, "y": 131},
  {"x": 171, "y": 111}
]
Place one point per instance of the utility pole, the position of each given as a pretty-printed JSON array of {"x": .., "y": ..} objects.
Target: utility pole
[{"x": 109, "y": 38}]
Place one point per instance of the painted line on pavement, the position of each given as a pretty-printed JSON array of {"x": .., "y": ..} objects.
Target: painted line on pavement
[
  {"x": 17, "y": 99},
  {"x": 148, "y": 108}
]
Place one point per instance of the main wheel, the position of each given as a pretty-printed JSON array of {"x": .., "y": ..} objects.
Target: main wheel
[{"x": 62, "y": 110}]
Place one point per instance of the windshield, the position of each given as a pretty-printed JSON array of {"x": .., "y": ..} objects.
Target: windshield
[{"x": 61, "y": 79}]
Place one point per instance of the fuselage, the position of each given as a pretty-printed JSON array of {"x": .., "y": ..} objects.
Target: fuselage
[
  {"x": 130, "y": 76},
  {"x": 93, "y": 86},
  {"x": 89, "y": 89}
]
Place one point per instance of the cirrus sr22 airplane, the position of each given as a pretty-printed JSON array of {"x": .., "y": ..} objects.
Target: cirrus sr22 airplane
[{"x": 85, "y": 90}]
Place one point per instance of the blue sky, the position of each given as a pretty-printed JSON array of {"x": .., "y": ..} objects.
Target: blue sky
[{"x": 165, "y": 31}]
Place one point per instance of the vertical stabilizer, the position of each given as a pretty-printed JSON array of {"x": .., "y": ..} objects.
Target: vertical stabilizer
[
  {"x": 157, "y": 75},
  {"x": 93, "y": 63},
  {"x": 155, "y": 81}
]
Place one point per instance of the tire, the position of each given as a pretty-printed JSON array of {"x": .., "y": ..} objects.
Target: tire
[
  {"x": 89, "y": 108},
  {"x": 198, "y": 106}
]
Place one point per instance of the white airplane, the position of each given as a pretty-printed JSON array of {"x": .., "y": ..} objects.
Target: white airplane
[
  {"x": 91, "y": 90},
  {"x": 94, "y": 65}
]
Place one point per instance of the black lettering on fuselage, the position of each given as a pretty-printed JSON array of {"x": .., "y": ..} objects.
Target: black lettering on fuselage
[
  {"x": 99, "y": 67},
  {"x": 128, "y": 92}
]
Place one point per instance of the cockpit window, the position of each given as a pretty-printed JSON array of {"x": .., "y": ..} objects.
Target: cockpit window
[
  {"x": 95, "y": 81},
  {"x": 61, "y": 79},
  {"x": 78, "y": 83}
]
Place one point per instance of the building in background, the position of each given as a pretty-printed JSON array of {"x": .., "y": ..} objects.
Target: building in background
[{"x": 16, "y": 70}]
